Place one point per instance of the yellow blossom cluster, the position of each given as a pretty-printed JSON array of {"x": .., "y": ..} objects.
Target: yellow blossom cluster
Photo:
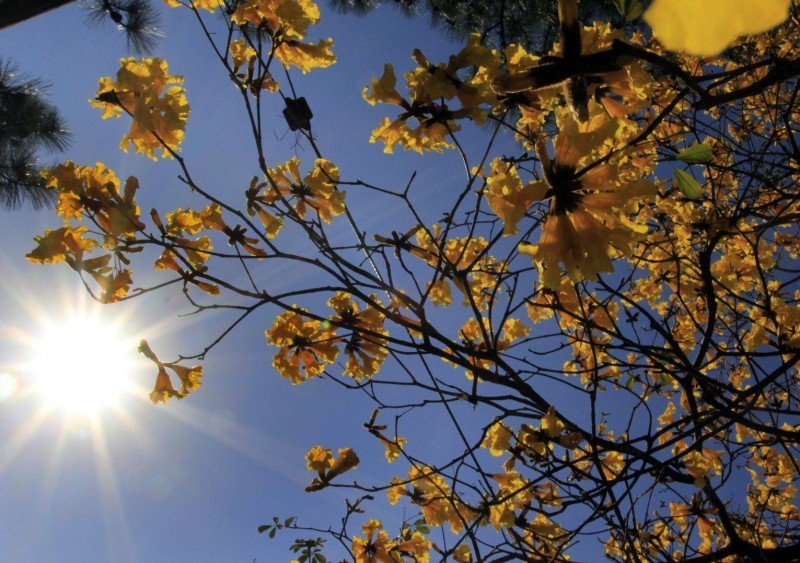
[
  {"x": 365, "y": 346},
  {"x": 187, "y": 254},
  {"x": 429, "y": 490},
  {"x": 589, "y": 204},
  {"x": 306, "y": 345},
  {"x": 155, "y": 100},
  {"x": 287, "y": 22},
  {"x": 536, "y": 442},
  {"x": 430, "y": 87},
  {"x": 93, "y": 194},
  {"x": 316, "y": 190},
  {"x": 461, "y": 261},
  {"x": 377, "y": 547},
  {"x": 481, "y": 343}
]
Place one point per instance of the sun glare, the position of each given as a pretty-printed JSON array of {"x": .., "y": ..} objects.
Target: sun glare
[{"x": 82, "y": 364}]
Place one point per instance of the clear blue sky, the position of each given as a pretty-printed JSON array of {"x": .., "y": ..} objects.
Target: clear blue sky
[{"x": 190, "y": 481}]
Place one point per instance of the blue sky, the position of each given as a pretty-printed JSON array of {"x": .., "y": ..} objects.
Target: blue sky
[{"x": 190, "y": 481}]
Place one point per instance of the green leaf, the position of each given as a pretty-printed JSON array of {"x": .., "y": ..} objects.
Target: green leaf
[
  {"x": 630, "y": 383},
  {"x": 272, "y": 532},
  {"x": 288, "y": 521},
  {"x": 696, "y": 154},
  {"x": 629, "y": 9},
  {"x": 263, "y": 528},
  {"x": 688, "y": 185},
  {"x": 302, "y": 558}
]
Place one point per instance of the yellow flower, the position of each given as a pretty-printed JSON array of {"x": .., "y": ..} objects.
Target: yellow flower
[
  {"x": 290, "y": 18},
  {"x": 507, "y": 197},
  {"x": 440, "y": 293},
  {"x": 211, "y": 218},
  {"x": 551, "y": 424},
  {"x": 461, "y": 253},
  {"x": 550, "y": 430},
  {"x": 383, "y": 89},
  {"x": 632, "y": 83},
  {"x": 241, "y": 52},
  {"x": 514, "y": 493},
  {"x": 391, "y": 133},
  {"x": 584, "y": 220},
  {"x": 157, "y": 104},
  {"x": 255, "y": 206},
  {"x": 183, "y": 220},
  {"x": 306, "y": 346},
  {"x": 513, "y": 92},
  {"x": 287, "y": 22},
  {"x": 498, "y": 439},
  {"x": 196, "y": 255},
  {"x": 163, "y": 389},
  {"x": 546, "y": 538},
  {"x": 306, "y": 56},
  {"x": 209, "y": 5},
  {"x": 428, "y": 135},
  {"x": 703, "y": 464},
  {"x": 393, "y": 447},
  {"x": 473, "y": 339},
  {"x": 464, "y": 263},
  {"x": 701, "y": 27},
  {"x": 612, "y": 464},
  {"x": 316, "y": 190},
  {"x": 365, "y": 347},
  {"x": 189, "y": 376},
  {"x": 57, "y": 246},
  {"x": 375, "y": 546},
  {"x": 429, "y": 83},
  {"x": 396, "y": 490},
  {"x": 462, "y": 554},
  {"x": 94, "y": 191},
  {"x": 428, "y": 86},
  {"x": 432, "y": 494},
  {"x": 417, "y": 548},
  {"x": 345, "y": 461},
  {"x": 319, "y": 459},
  {"x": 114, "y": 285},
  {"x": 547, "y": 301}
]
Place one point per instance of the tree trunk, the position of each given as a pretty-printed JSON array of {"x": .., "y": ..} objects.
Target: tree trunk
[{"x": 15, "y": 11}]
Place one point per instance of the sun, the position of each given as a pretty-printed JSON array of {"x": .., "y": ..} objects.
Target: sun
[{"x": 82, "y": 364}]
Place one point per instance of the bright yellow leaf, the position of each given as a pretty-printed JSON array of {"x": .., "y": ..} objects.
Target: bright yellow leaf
[{"x": 706, "y": 27}]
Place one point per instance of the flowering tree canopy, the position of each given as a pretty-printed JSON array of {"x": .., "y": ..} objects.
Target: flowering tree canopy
[{"x": 606, "y": 320}]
